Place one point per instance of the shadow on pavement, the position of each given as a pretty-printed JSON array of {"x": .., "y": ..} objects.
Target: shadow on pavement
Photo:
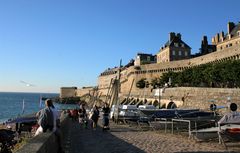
[
  {"x": 97, "y": 141},
  {"x": 207, "y": 152}
]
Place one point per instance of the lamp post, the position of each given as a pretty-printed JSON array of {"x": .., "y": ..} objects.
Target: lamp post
[{"x": 159, "y": 98}]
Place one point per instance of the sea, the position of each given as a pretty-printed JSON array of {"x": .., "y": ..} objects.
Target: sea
[{"x": 14, "y": 104}]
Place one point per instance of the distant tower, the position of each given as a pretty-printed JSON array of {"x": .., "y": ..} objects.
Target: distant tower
[{"x": 205, "y": 47}]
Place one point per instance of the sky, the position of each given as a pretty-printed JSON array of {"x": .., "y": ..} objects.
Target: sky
[{"x": 64, "y": 43}]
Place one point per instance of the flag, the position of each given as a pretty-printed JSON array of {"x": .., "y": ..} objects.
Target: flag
[
  {"x": 40, "y": 102},
  {"x": 23, "y": 106}
]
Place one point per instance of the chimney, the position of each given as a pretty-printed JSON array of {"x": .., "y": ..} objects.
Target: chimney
[
  {"x": 204, "y": 45},
  {"x": 230, "y": 26},
  {"x": 171, "y": 36},
  {"x": 217, "y": 38},
  {"x": 213, "y": 41},
  {"x": 179, "y": 36},
  {"x": 204, "y": 40},
  {"x": 221, "y": 37}
]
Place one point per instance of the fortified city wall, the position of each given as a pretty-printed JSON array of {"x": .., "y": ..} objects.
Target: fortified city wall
[
  {"x": 150, "y": 71},
  {"x": 68, "y": 92},
  {"x": 197, "y": 96},
  {"x": 83, "y": 91}
]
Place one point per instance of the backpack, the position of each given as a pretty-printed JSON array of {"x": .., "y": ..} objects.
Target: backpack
[{"x": 46, "y": 119}]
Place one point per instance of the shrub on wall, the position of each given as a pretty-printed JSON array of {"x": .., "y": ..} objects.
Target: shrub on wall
[
  {"x": 224, "y": 74},
  {"x": 142, "y": 83}
]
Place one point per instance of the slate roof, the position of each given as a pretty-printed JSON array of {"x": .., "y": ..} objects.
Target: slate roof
[
  {"x": 235, "y": 30},
  {"x": 176, "y": 40}
]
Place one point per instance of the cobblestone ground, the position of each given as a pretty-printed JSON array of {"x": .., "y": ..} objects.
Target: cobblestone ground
[{"x": 125, "y": 139}]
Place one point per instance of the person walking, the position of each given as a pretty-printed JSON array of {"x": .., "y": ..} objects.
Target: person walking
[
  {"x": 82, "y": 116},
  {"x": 94, "y": 117},
  {"x": 232, "y": 117},
  {"x": 106, "y": 111}
]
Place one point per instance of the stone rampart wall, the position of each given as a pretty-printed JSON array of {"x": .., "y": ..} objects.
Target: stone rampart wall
[
  {"x": 190, "y": 97},
  {"x": 150, "y": 71},
  {"x": 46, "y": 142},
  {"x": 67, "y": 92},
  {"x": 83, "y": 91},
  {"x": 202, "y": 97}
]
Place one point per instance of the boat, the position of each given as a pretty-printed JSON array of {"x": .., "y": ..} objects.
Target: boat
[
  {"x": 128, "y": 112},
  {"x": 166, "y": 113},
  {"x": 213, "y": 132},
  {"x": 23, "y": 123}
]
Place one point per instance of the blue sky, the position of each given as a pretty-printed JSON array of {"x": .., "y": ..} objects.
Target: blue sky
[{"x": 69, "y": 43}]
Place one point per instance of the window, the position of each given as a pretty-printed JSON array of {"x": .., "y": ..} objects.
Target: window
[
  {"x": 180, "y": 53},
  {"x": 238, "y": 33},
  {"x": 229, "y": 36},
  {"x": 148, "y": 58},
  {"x": 176, "y": 44},
  {"x": 173, "y": 52},
  {"x": 182, "y": 45},
  {"x": 186, "y": 53},
  {"x": 228, "y": 45}
]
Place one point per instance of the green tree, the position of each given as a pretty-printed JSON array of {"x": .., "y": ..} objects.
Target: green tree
[{"x": 142, "y": 83}]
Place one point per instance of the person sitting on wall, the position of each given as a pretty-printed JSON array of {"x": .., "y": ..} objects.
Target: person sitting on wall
[
  {"x": 232, "y": 117},
  {"x": 45, "y": 118}
]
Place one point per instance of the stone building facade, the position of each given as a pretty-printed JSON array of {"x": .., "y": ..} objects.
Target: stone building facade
[
  {"x": 228, "y": 40},
  {"x": 206, "y": 48},
  {"x": 174, "y": 49},
  {"x": 142, "y": 58}
]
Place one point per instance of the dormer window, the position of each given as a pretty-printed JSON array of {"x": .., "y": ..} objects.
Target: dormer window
[
  {"x": 182, "y": 45},
  {"x": 180, "y": 53},
  {"x": 176, "y": 44}
]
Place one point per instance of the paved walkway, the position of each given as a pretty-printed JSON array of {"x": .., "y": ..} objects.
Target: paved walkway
[{"x": 125, "y": 139}]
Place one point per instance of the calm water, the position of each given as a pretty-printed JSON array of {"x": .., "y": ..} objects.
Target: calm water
[{"x": 11, "y": 104}]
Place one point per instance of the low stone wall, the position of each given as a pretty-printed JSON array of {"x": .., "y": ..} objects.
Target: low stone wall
[
  {"x": 192, "y": 97},
  {"x": 202, "y": 97},
  {"x": 46, "y": 142}
]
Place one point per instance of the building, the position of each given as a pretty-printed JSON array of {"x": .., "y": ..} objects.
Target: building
[
  {"x": 205, "y": 47},
  {"x": 143, "y": 58},
  {"x": 174, "y": 49},
  {"x": 231, "y": 39},
  {"x": 174, "y": 56},
  {"x": 68, "y": 92}
]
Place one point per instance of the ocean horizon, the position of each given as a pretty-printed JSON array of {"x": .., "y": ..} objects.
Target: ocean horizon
[{"x": 14, "y": 104}]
